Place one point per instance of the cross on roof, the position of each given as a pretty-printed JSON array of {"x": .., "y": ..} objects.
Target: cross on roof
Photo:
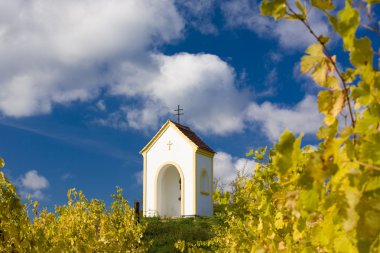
[{"x": 179, "y": 113}]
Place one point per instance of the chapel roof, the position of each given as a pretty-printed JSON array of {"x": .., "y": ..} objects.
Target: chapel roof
[
  {"x": 186, "y": 131},
  {"x": 193, "y": 137}
]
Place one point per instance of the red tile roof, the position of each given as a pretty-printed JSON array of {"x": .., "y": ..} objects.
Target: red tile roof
[{"x": 193, "y": 137}]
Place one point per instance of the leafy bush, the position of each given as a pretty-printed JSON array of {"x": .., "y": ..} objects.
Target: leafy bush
[
  {"x": 325, "y": 199},
  {"x": 79, "y": 226}
]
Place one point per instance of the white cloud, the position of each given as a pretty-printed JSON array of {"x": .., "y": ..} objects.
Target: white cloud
[
  {"x": 272, "y": 77},
  {"x": 303, "y": 117},
  {"x": 139, "y": 177},
  {"x": 275, "y": 57},
  {"x": 31, "y": 180},
  {"x": 227, "y": 167},
  {"x": 32, "y": 184},
  {"x": 51, "y": 51},
  {"x": 56, "y": 52},
  {"x": 66, "y": 176},
  {"x": 202, "y": 84},
  {"x": 101, "y": 105},
  {"x": 290, "y": 34}
]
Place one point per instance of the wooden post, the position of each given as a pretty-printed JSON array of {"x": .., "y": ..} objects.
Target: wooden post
[{"x": 137, "y": 210}]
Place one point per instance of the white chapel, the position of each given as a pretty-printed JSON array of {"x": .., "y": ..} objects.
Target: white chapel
[{"x": 178, "y": 173}]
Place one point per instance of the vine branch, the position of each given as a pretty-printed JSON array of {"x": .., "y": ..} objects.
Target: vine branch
[{"x": 329, "y": 57}]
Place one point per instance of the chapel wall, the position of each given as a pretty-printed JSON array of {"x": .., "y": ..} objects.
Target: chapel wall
[
  {"x": 204, "y": 202},
  {"x": 181, "y": 153}
]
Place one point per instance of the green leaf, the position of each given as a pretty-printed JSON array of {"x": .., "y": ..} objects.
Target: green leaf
[
  {"x": 326, "y": 132},
  {"x": 349, "y": 76},
  {"x": 308, "y": 200},
  {"x": 373, "y": 184},
  {"x": 369, "y": 149},
  {"x": 362, "y": 53},
  {"x": 275, "y": 8},
  {"x": 323, "y": 4},
  {"x": 331, "y": 104},
  {"x": 343, "y": 244},
  {"x": 362, "y": 94},
  {"x": 284, "y": 152},
  {"x": 302, "y": 8},
  {"x": 2, "y": 163},
  {"x": 323, "y": 39},
  {"x": 250, "y": 153},
  {"x": 367, "y": 123},
  {"x": 346, "y": 24}
]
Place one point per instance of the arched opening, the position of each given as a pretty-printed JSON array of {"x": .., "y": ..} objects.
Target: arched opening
[{"x": 169, "y": 191}]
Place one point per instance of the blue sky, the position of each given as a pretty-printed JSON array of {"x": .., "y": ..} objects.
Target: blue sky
[{"x": 86, "y": 84}]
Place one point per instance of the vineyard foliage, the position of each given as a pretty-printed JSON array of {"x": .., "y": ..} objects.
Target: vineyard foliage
[
  {"x": 79, "y": 226},
  {"x": 323, "y": 199}
]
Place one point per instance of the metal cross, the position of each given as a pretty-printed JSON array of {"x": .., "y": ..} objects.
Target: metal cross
[
  {"x": 179, "y": 113},
  {"x": 169, "y": 144}
]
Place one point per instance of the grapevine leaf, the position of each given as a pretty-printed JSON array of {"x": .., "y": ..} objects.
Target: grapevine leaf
[
  {"x": 288, "y": 146},
  {"x": 323, "y": 39},
  {"x": 371, "y": 226},
  {"x": 302, "y": 8},
  {"x": 373, "y": 184},
  {"x": 332, "y": 82},
  {"x": 323, "y": 4},
  {"x": 370, "y": 151},
  {"x": 346, "y": 24},
  {"x": 362, "y": 94},
  {"x": 308, "y": 200},
  {"x": 331, "y": 104},
  {"x": 250, "y": 153},
  {"x": 308, "y": 63},
  {"x": 321, "y": 67},
  {"x": 284, "y": 149},
  {"x": 274, "y": 8},
  {"x": 326, "y": 132},
  {"x": 320, "y": 72},
  {"x": 349, "y": 76},
  {"x": 343, "y": 244},
  {"x": 279, "y": 222},
  {"x": 362, "y": 54}
]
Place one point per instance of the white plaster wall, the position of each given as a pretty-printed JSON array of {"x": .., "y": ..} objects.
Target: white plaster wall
[
  {"x": 204, "y": 202},
  {"x": 181, "y": 153}
]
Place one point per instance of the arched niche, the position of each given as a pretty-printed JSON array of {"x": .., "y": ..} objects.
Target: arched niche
[
  {"x": 204, "y": 182},
  {"x": 169, "y": 197}
]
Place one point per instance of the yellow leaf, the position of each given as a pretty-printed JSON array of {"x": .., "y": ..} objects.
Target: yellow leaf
[
  {"x": 323, "y": 4},
  {"x": 308, "y": 62},
  {"x": 279, "y": 222},
  {"x": 331, "y": 104},
  {"x": 315, "y": 50},
  {"x": 274, "y": 8},
  {"x": 319, "y": 73}
]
